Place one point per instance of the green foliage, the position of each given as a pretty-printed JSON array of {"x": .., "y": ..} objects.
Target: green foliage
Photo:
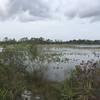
[
  {"x": 84, "y": 83},
  {"x": 15, "y": 78},
  {"x": 3, "y": 94},
  {"x": 67, "y": 92},
  {"x": 12, "y": 71},
  {"x": 33, "y": 50}
]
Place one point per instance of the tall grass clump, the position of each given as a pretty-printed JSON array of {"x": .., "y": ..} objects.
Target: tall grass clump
[{"x": 84, "y": 83}]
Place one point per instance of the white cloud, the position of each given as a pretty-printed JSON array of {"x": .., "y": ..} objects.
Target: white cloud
[{"x": 30, "y": 10}]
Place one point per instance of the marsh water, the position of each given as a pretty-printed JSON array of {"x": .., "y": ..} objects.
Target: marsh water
[{"x": 60, "y": 60}]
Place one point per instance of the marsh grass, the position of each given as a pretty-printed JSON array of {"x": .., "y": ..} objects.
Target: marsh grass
[{"x": 82, "y": 84}]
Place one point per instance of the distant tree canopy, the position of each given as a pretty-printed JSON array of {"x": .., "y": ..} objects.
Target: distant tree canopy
[{"x": 42, "y": 40}]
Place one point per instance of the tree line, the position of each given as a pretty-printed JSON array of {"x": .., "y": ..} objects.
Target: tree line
[{"x": 42, "y": 40}]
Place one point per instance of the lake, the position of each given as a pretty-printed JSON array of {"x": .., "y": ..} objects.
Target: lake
[{"x": 61, "y": 59}]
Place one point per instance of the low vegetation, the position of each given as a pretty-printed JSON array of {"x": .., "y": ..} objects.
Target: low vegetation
[
  {"x": 83, "y": 84},
  {"x": 15, "y": 77}
]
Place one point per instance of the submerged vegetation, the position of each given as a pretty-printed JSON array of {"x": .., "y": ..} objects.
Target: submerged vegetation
[{"x": 18, "y": 73}]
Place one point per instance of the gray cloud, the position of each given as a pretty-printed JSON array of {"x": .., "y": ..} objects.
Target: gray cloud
[
  {"x": 31, "y": 10},
  {"x": 89, "y": 8},
  {"x": 26, "y": 10}
]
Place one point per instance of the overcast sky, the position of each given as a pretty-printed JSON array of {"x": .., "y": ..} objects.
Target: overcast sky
[{"x": 54, "y": 19}]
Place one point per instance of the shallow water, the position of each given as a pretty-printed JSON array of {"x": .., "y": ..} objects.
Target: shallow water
[{"x": 61, "y": 60}]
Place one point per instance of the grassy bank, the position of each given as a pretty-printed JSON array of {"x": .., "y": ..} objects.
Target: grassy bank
[{"x": 83, "y": 83}]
